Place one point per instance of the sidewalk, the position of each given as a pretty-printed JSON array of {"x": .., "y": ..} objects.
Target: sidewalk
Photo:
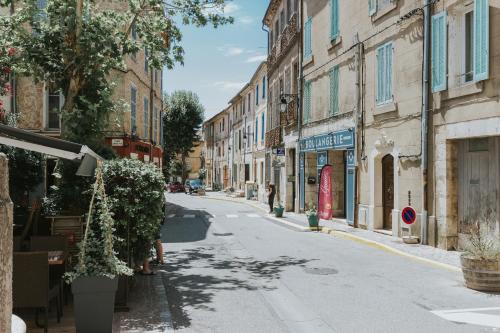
[{"x": 445, "y": 259}]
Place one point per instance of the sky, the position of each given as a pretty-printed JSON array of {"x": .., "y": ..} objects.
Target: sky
[{"x": 219, "y": 62}]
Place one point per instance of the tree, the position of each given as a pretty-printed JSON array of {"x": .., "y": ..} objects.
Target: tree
[
  {"x": 182, "y": 120},
  {"x": 73, "y": 45}
]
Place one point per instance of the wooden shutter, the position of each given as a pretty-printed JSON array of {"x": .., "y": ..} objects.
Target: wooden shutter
[
  {"x": 307, "y": 38},
  {"x": 481, "y": 40},
  {"x": 334, "y": 90},
  {"x": 380, "y": 74},
  {"x": 372, "y": 7},
  {"x": 439, "y": 52},
  {"x": 334, "y": 19},
  {"x": 307, "y": 102}
]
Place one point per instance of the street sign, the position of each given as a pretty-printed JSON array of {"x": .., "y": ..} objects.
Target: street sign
[
  {"x": 409, "y": 215},
  {"x": 279, "y": 151}
]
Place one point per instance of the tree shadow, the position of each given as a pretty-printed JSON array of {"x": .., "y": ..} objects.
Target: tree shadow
[
  {"x": 197, "y": 290},
  {"x": 181, "y": 229}
]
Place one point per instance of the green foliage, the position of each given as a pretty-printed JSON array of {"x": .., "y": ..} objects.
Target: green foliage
[
  {"x": 136, "y": 196},
  {"x": 183, "y": 115},
  {"x": 97, "y": 256}
]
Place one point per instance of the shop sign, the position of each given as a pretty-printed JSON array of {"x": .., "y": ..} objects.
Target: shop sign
[
  {"x": 325, "y": 209},
  {"x": 335, "y": 140},
  {"x": 117, "y": 142},
  {"x": 279, "y": 151}
]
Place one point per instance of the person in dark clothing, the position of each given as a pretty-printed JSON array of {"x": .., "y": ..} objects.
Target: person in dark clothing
[{"x": 271, "y": 192}]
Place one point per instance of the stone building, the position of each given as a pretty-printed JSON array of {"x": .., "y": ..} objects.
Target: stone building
[
  {"x": 135, "y": 131},
  {"x": 238, "y": 125},
  {"x": 464, "y": 182},
  {"x": 282, "y": 21}
]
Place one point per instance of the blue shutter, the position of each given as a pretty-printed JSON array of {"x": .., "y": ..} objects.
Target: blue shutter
[
  {"x": 439, "y": 52},
  {"x": 257, "y": 95},
  {"x": 388, "y": 74},
  {"x": 262, "y": 127},
  {"x": 380, "y": 74},
  {"x": 308, "y": 38},
  {"x": 481, "y": 40},
  {"x": 307, "y": 102},
  {"x": 372, "y": 7},
  {"x": 256, "y": 129},
  {"x": 334, "y": 19},
  {"x": 264, "y": 87},
  {"x": 334, "y": 90}
]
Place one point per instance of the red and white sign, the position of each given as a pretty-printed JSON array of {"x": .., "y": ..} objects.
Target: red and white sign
[
  {"x": 325, "y": 195},
  {"x": 408, "y": 215}
]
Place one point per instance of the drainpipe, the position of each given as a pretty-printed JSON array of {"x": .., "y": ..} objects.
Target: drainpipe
[
  {"x": 357, "y": 117},
  {"x": 299, "y": 106},
  {"x": 425, "y": 117}
]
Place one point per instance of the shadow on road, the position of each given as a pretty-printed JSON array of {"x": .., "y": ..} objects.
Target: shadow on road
[{"x": 195, "y": 275}]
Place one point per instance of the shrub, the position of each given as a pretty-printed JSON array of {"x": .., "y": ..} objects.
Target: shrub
[{"x": 136, "y": 197}]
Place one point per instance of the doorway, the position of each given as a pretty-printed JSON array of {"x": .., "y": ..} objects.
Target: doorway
[{"x": 387, "y": 190}]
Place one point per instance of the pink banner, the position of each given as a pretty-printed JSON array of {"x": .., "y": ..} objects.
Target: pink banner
[{"x": 325, "y": 196}]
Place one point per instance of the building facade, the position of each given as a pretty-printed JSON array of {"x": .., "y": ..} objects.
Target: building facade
[
  {"x": 465, "y": 146},
  {"x": 282, "y": 21}
]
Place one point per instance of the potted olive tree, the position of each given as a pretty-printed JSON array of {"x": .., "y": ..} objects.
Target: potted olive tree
[
  {"x": 278, "y": 208},
  {"x": 94, "y": 279},
  {"x": 312, "y": 216},
  {"x": 481, "y": 260}
]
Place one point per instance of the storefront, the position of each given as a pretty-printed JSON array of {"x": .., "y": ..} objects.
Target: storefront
[
  {"x": 335, "y": 149},
  {"x": 136, "y": 149}
]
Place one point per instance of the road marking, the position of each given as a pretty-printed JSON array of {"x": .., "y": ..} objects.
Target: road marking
[
  {"x": 471, "y": 316},
  {"x": 232, "y": 216},
  {"x": 253, "y": 215},
  {"x": 189, "y": 216},
  {"x": 170, "y": 216}
]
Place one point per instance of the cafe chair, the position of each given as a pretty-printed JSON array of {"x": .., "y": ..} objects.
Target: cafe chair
[
  {"x": 52, "y": 243},
  {"x": 31, "y": 286}
]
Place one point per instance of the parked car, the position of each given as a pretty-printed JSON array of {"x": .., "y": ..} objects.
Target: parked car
[
  {"x": 192, "y": 186},
  {"x": 175, "y": 187}
]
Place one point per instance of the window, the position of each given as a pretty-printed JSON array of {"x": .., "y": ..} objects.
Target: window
[
  {"x": 334, "y": 31},
  {"x": 155, "y": 125},
  {"x": 54, "y": 107},
  {"x": 469, "y": 46},
  {"x": 384, "y": 74},
  {"x": 249, "y": 102},
  {"x": 223, "y": 149},
  {"x": 256, "y": 130},
  {"x": 133, "y": 109},
  {"x": 481, "y": 39},
  {"x": 239, "y": 140},
  {"x": 257, "y": 95},
  {"x": 439, "y": 52},
  {"x": 248, "y": 136},
  {"x": 308, "y": 39},
  {"x": 264, "y": 87},
  {"x": 223, "y": 123},
  {"x": 146, "y": 117},
  {"x": 262, "y": 127},
  {"x": 334, "y": 90},
  {"x": 262, "y": 172},
  {"x": 307, "y": 101},
  {"x": 375, "y": 6}
]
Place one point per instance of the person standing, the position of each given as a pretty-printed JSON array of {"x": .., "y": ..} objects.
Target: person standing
[{"x": 271, "y": 193}]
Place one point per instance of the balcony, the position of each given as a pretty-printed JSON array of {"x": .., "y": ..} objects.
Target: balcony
[
  {"x": 273, "y": 137},
  {"x": 287, "y": 39}
]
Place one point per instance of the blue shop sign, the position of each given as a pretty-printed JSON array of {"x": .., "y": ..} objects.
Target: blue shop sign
[{"x": 335, "y": 140}]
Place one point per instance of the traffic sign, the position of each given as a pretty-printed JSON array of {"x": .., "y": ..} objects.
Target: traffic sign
[
  {"x": 279, "y": 151},
  {"x": 409, "y": 215}
]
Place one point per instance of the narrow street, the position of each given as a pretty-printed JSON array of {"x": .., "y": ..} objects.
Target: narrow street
[{"x": 231, "y": 269}]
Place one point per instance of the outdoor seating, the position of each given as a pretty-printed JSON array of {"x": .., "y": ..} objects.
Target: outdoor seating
[{"x": 31, "y": 286}]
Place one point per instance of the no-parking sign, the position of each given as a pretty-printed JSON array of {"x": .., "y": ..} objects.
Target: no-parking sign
[{"x": 408, "y": 215}]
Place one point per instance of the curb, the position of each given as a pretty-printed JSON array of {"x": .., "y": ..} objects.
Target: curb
[{"x": 354, "y": 238}]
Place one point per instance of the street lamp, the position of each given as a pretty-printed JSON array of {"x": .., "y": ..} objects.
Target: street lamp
[{"x": 285, "y": 99}]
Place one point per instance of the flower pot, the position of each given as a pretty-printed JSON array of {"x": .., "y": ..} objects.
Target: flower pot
[
  {"x": 278, "y": 211},
  {"x": 313, "y": 221},
  {"x": 481, "y": 274},
  {"x": 94, "y": 299}
]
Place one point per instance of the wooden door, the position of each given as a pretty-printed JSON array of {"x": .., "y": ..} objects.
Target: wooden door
[{"x": 388, "y": 190}]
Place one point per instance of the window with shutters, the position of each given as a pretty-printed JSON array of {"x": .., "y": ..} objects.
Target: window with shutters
[
  {"x": 384, "y": 92},
  {"x": 439, "y": 52},
  {"x": 468, "y": 56},
  {"x": 380, "y": 6},
  {"x": 256, "y": 129},
  {"x": 334, "y": 18},
  {"x": 257, "y": 95},
  {"x": 53, "y": 108},
  {"x": 307, "y": 102},
  {"x": 481, "y": 39},
  {"x": 262, "y": 127},
  {"x": 264, "y": 87},
  {"x": 334, "y": 91},
  {"x": 308, "y": 39},
  {"x": 146, "y": 117},
  {"x": 155, "y": 124},
  {"x": 133, "y": 109}
]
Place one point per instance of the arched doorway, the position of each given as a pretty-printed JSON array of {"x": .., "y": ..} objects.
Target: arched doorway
[{"x": 387, "y": 190}]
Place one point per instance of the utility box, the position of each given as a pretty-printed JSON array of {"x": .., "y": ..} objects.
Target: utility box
[{"x": 249, "y": 189}]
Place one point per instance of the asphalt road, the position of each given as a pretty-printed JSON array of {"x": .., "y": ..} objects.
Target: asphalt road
[{"x": 230, "y": 269}]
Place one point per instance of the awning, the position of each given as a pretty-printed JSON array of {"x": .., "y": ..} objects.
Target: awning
[{"x": 27, "y": 140}]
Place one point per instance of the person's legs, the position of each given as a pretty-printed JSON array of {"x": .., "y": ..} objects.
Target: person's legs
[
  {"x": 159, "y": 251},
  {"x": 146, "y": 270},
  {"x": 271, "y": 205}
]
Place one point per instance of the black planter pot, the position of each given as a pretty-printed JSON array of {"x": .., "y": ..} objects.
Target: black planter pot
[{"x": 94, "y": 299}]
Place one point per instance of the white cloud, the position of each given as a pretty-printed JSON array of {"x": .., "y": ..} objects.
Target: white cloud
[
  {"x": 229, "y": 85},
  {"x": 231, "y": 8},
  {"x": 228, "y": 9},
  {"x": 231, "y": 51},
  {"x": 256, "y": 58},
  {"x": 245, "y": 20}
]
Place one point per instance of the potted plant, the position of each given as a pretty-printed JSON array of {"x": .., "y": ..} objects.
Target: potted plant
[
  {"x": 312, "y": 216},
  {"x": 94, "y": 280},
  {"x": 481, "y": 260},
  {"x": 278, "y": 209}
]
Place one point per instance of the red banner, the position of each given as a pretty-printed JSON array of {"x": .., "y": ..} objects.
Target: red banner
[{"x": 325, "y": 196}]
